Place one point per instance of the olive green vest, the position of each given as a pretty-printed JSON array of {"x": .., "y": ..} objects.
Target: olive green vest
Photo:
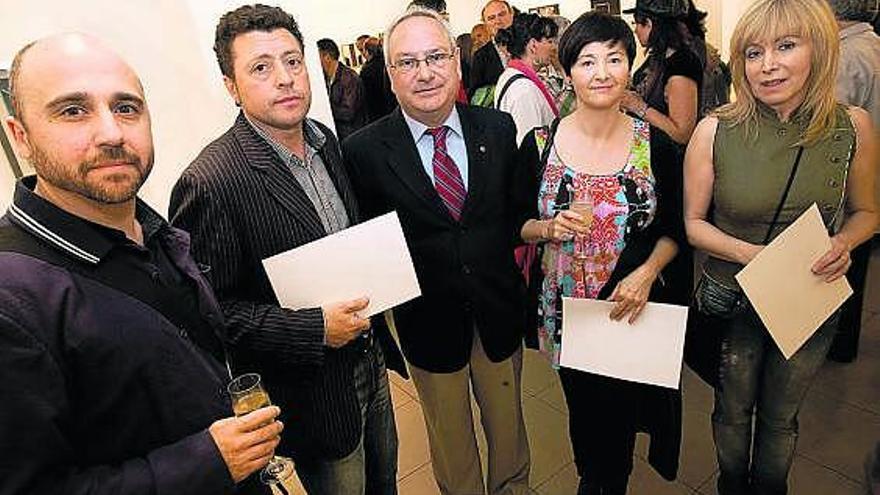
[{"x": 751, "y": 173}]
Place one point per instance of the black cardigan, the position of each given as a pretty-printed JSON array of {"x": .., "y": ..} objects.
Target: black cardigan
[{"x": 659, "y": 411}]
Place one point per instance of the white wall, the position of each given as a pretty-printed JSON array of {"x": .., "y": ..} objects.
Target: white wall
[
  {"x": 168, "y": 42},
  {"x": 6, "y": 183}
]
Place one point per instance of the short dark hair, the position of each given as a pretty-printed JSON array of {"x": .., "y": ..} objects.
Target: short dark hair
[
  {"x": 854, "y": 10},
  {"x": 15, "y": 81},
  {"x": 594, "y": 27},
  {"x": 328, "y": 46},
  {"x": 526, "y": 27},
  {"x": 373, "y": 46},
  {"x": 246, "y": 19},
  {"x": 438, "y": 6}
]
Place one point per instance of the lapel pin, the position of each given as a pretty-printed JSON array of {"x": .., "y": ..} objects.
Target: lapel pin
[{"x": 482, "y": 149}]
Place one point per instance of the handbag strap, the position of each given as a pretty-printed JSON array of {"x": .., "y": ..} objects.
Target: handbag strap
[
  {"x": 545, "y": 147},
  {"x": 794, "y": 168},
  {"x": 506, "y": 86}
]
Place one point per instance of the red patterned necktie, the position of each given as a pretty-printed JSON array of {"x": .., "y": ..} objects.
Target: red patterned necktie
[{"x": 447, "y": 178}]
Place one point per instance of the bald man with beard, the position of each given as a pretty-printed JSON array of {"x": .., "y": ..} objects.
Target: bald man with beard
[{"x": 113, "y": 381}]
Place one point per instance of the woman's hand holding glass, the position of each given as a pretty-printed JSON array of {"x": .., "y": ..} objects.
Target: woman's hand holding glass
[{"x": 565, "y": 225}]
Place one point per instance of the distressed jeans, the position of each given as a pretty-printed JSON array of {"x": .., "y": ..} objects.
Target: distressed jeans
[{"x": 756, "y": 380}]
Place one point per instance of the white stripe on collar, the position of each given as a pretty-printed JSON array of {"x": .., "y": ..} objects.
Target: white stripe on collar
[{"x": 42, "y": 231}]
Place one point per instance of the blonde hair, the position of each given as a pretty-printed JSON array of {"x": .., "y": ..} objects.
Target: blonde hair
[{"x": 773, "y": 19}]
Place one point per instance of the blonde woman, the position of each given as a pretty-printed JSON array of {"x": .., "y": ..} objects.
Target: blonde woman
[{"x": 784, "y": 127}]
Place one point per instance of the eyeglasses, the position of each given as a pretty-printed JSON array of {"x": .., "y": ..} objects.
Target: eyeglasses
[{"x": 436, "y": 60}]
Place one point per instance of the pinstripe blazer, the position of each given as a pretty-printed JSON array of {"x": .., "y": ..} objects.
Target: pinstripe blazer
[{"x": 242, "y": 204}]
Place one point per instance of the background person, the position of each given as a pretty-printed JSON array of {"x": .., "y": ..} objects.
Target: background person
[
  {"x": 715, "y": 89},
  {"x": 479, "y": 37},
  {"x": 667, "y": 97},
  {"x": 553, "y": 75},
  {"x": 345, "y": 90},
  {"x": 785, "y": 122},
  {"x": 531, "y": 42},
  {"x": 379, "y": 98},
  {"x": 858, "y": 84},
  {"x": 492, "y": 58}
]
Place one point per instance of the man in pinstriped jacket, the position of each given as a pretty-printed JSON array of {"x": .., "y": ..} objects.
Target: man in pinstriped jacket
[{"x": 272, "y": 182}]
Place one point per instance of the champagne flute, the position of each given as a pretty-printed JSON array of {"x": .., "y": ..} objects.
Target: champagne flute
[
  {"x": 248, "y": 395},
  {"x": 582, "y": 204}
]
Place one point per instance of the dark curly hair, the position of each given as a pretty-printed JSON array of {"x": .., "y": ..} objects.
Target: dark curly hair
[
  {"x": 592, "y": 27},
  {"x": 526, "y": 27},
  {"x": 246, "y": 19}
]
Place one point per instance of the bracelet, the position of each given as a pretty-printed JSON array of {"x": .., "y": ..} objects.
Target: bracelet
[
  {"x": 642, "y": 111},
  {"x": 548, "y": 230}
]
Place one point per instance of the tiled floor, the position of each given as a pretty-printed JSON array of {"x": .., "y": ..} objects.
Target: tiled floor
[{"x": 840, "y": 421}]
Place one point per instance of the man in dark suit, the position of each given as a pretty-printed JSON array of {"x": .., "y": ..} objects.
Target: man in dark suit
[
  {"x": 379, "y": 98},
  {"x": 272, "y": 182},
  {"x": 449, "y": 173},
  {"x": 345, "y": 89},
  {"x": 490, "y": 60}
]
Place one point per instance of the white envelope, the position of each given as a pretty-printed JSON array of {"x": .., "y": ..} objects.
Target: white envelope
[
  {"x": 791, "y": 301},
  {"x": 369, "y": 259},
  {"x": 648, "y": 351}
]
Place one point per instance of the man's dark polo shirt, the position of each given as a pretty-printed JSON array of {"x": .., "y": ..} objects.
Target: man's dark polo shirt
[{"x": 110, "y": 360}]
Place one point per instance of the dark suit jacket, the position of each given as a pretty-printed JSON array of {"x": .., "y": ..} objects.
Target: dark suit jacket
[
  {"x": 466, "y": 269},
  {"x": 347, "y": 101},
  {"x": 485, "y": 69},
  {"x": 242, "y": 204},
  {"x": 379, "y": 98}
]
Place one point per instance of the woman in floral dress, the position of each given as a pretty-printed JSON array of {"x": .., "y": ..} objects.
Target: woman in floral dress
[{"x": 616, "y": 251}]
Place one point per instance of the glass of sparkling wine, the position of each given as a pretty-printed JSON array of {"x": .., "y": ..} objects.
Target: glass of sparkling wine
[
  {"x": 248, "y": 395},
  {"x": 583, "y": 206}
]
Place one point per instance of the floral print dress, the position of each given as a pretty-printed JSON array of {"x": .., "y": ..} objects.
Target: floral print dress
[{"x": 623, "y": 203}]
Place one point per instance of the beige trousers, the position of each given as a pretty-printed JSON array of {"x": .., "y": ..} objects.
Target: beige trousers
[{"x": 446, "y": 404}]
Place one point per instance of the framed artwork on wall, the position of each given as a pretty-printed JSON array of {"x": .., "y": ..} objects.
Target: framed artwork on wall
[
  {"x": 5, "y": 139},
  {"x": 545, "y": 10},
  {"x": 349, "y": 56},
  {"x": 609, "y": 6}
]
